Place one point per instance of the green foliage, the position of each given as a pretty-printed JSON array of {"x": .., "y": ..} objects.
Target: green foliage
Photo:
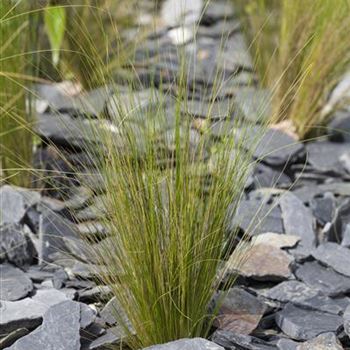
[
  {"x": 78, "y": 30},
  {"x": 167, "y": 211},
  {"x": 260, "y": 21},
  {"x": 309, "y": 55},
  {"x": 55, "y": 23},
  {"x": 15, "y": 117}
]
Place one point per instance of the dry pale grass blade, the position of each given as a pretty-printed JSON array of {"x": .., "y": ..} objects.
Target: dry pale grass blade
[{"x": 308, "y": 50}]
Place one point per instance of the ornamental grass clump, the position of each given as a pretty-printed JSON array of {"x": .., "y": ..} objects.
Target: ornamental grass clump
[
  {"x": 310, "y": 55},
  {"x": 16, "y": 136},
  {"x": 167, "y": 195}
]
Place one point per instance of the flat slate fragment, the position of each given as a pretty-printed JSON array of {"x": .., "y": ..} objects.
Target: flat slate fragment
[
  {"x": 28, "y": 312},
  {"x": 290, "y": 291},
  {"x": 240, "y": 312},
  {"x": 14, "y": 283},
  {"x": 297, "y": 219},
  {"x": 335, "y": 256},
  {"x": 233, "y": 341},
  {"x": 346, "y": 317},
  {"x": 325, "y": 279},
  {"x": 277, "y": 147},
  {"x": 301, "y": 324},
  {"x": 326, "y": 341},
  {"x": 15, "y": 246},
  {"x": 265, "y": 263},
  {"x": 112, "y": 337},
  {"x": 258, "y": 214},
  {"x": 59, "y": 331},
  {"x": 14, "y": 202},
  {"x": 187, "y": 344}
]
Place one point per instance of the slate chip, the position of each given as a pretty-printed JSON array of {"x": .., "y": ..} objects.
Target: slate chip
[
  {"x": 14, "y": 202},
  {"x": 277, "y": 148},
  {"x": 325, "y": 279},
  {"x": 59, "y": 330},
  {"x": 302, "y": 324},
  {"x": 232, "y": 341},
  {"x": 346, "y": 317},
  {"x": 339, "y": 127},
  {"x": 14, "y": 283},
  {"x": 299, "y": 221},
  {"x": 112, "y": 337},
  {"x": 335, "y": 256},
  {"x": 326, "y": 341},
  {"x": 323, "y": 207},
  {"x": 16, "y": 247},
  {"x": 239, "y": 312},
  {"x": 28, "y": 312},
  {"x": 324, "y": 156},
  {"x": 258, "y": 214},
  {"x": 187, "y": 344}
]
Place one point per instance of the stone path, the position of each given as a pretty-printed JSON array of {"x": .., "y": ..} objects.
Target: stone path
[{"x": 294, "y": 286}]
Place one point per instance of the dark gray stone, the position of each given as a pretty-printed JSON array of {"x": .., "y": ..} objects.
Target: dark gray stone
[
  {"x": 286, "y": 344},
  {"x": 219, "y": 29},
  {"x": 346, "y": 317},
  {"x": 57, "y": 234},
  {"x": 211, "y": 110},
  {"x": 65, "y": 130},
  {"x": 338, "y": 188},
  {"x": 265, "y": 176},
  {"x": 40, "y": 273},
  {"x": 323, "y": 207},
  {"x": 240, "y": 312},
  {"x": 232, "y": 341},
  {"x": 258, "y": 214},
  {"x": 87, "y": 315},
  {"x": 187, "y": 344},
  {"x": 217, "y": 11},
  {"x": 28, "y": 312},
  {"x": 302, "y": 324},
  {"x": 14, "y": 283},
  {"x": 325, "y": 279},
  {"x": 300, "y": 294},
  {"x": 14, "y": 202},
  {"x": 277, "y": 148},
  {"x": 326, "y": 341},
  {"x": 291, "y": 291},
  {"x": 324, "y": 156},
  {"x": 339, "y": 127},
  {"x": 110, "y": 312},
  {"x": 59, "y": 278},
  {"x": 113, "y": 337},
  {"x": 335, "y": 256},
  {"x": 59, "y": 330},
  {"x": 341, "y": 218},
  {"x": 344, "y": 160},
  {"x": 15, "y": 245},
  {"x": 95, "y": 294},
  {"x": 133, "y": 106},
  {"x": 298, "y": 220},
  {"x": 345, "y": 242},
  {"x": 57, "y": 100}
]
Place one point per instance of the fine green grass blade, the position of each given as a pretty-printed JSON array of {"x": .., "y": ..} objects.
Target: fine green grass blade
[{"x": 15, "y": 116}]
